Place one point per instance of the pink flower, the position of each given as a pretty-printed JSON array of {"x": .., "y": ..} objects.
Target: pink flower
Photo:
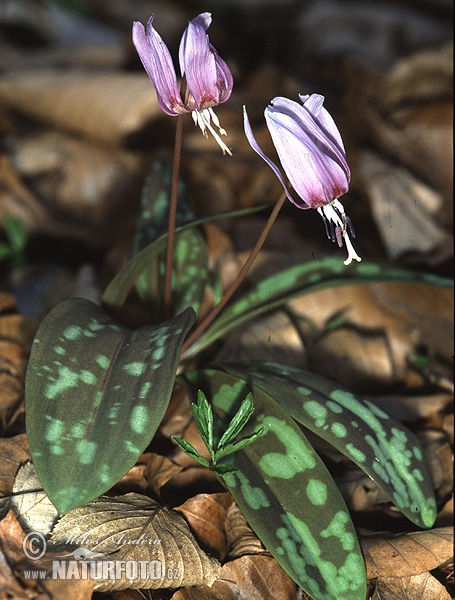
[
  {"x": 206, "y": 78},
  {"x": 313, "y": 158}
]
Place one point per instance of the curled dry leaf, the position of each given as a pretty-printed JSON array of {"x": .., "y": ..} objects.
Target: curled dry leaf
[
  {"x": 257, "y": 577},
  {"x": 68, "y": 187},
  {"x": 99, "y": 105},
  {"x": 14, "y": 564},
  {"x": 417, "y": 587},
  {"x": 16, "y": 335},
  {"x": 206, "y": 515},
  {"x": 159, "y": 470},
  {"x": 34, "y": 510},
  {"x": 13, "y": 452},
  {"x": 135, "y": 528},
  {"x": 241, "y": 538},
  {"x": 405, "y": 210},
  {"x": 407, "y": 555}
]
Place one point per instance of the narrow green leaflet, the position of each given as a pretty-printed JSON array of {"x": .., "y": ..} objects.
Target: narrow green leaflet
[
  {"x": 386, "y": 450},
  {"x": 298, "y": 280},
  {"x": 287, "y": 494},
  {"x": 95, "y": 396}
]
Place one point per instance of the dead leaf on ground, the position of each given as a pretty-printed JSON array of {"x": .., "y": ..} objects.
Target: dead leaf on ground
[
  {"x": 206, "y": 515},
  {"x": 417, "y": 587},
  {"x": 13, "y": 452},
  {"x": 407, "y": 555},
  {"x": 246, "y": 578},
  {"x": 33, "y": 509},
  {"x": 241, "y": 538},
  {"x": 16, "y": 335},
  {"x": 105, "y": 106},
  {"x": 13, "y": 577},
  {"x": 134, "y": 527}
]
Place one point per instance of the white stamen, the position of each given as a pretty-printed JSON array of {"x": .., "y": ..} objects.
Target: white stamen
[
  {"x": 202, "y": 119},
  {"x": 328, "y": 211}
]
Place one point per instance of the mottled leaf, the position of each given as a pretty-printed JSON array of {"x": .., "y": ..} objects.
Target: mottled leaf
[
  {"x": 95, "y": 395},
  {"x": 386, "y": 450},
  {"x": 287, "y": 494},
  {"x": 295, "y": 281},
  {"x": 118, "y": 289},
  {"x": 136, "y": 528},
  {"x": 189, "y": 274}
]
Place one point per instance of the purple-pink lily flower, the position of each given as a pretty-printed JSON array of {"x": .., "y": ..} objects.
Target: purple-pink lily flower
[
  {"x": 313, "y": 157},
  {"x": 206, "y": 78}
]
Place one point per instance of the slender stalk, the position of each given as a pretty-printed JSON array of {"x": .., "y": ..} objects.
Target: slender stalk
[
  {"x": 172, "y": 217},
  {"x": 211, "y": 316}
]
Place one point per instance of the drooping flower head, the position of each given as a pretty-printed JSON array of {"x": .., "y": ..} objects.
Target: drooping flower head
[
  {"x": 313, "y": 158},
  {"x": 206, "y": 78}
]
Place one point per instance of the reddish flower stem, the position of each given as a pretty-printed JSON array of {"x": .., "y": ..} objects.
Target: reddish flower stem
[
  {"x": 211, "y": 316},
  {"x": 167, "y": 300}
]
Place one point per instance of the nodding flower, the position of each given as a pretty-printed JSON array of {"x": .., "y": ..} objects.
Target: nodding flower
[
  {"x": 206, "y": 78},
  {"x": 313, "y": 158}
]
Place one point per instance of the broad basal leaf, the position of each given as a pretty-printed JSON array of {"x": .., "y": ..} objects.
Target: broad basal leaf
[
  {"x": 95, "y": 396},
  {"x": 276, "y": 290},
  {"x": 386, "y": 450},
  {"x": 287, "y": 494},
  {"x": 136, "y": 529}
]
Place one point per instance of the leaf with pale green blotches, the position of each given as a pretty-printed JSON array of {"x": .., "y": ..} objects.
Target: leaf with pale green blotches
[
  {"x": 190, "y": 268},
  {"x": 121, "y": 285},
  {"x": 287, "y": 494},
  {"x": 300, "y": 279},
  {"x": 96, "y": 393},
  {"x": 384, "y": 448}
]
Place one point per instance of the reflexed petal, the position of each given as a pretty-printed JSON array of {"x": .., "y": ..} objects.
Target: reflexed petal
[
  {"x": 314, "y": 175},
  {"x": 224, "y": 79},
  {"x": 309, "y": 128},
  {"x": 197, "y": 64},
  {"x": 157, "y": 63},
  {"x": 314, "y": 104},
  {"x": 253, "y": 143}
]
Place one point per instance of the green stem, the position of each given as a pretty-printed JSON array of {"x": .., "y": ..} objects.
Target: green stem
[
  {"x": 172, "y": 218},
  {"x": 211, "y": 316}
]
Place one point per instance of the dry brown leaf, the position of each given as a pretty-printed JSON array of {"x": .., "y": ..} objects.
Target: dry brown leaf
[
  {"x": 15, "y": 578},
  {"x": 417, "y": 587},
  {"x": 241, "y": 538},
  {"x": 246, "y": 578},
  {"x": 405, "y": 210},
  {"x": 13, "y": 452},
  {"x": 16, "y": 335},
  {"x": 102, "y": 105},
  {"x": 34, "y": 510},
  {"x": 206, "y": 515},
  {"x": 407, "y": 555},
  {"x": 135, "y": 528},
  {"x": 67, "y": 187},
  {"x": 159, "y": 470}
]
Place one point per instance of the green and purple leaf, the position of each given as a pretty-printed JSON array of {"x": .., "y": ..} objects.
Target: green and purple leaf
[
  {"x": 287, "y": 494},
  {"x": 274, "y": 291},
  {"x": 381, "y": 446},
  {"x": 96, "y": 393}
]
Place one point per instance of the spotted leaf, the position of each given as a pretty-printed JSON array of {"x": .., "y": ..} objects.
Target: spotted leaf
[
  {"x": 287, "y": 494},
  {"x": 189, "y": 274},
  {"x": 121, "y": 285},
  {"x": 95, "y": 395},
  {"x": 300, "y": 279},
  {"x": 386, "y": 450}
]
